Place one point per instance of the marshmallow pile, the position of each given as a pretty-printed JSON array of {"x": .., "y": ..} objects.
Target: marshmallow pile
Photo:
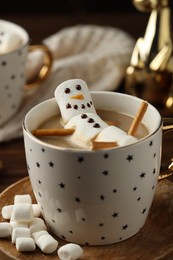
[
  {"x": 9, "y": 41},
  {"x": 78, "y": 112},
  {"x": 28, "y": 230}
]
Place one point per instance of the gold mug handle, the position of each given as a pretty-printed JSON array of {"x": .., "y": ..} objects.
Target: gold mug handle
[
  {"x": 45, "y": 68},
  {"x": 166, "y": 168}
]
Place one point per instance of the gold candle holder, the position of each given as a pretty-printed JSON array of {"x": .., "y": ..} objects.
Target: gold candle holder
[{"x": 150, "y": 73}]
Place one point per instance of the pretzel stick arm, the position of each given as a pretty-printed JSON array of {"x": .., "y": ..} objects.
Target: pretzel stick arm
[
  {"x": 103, "y": 145},
  {"x": 138, "y": 118},
  {"x": 53, "y": 132}
]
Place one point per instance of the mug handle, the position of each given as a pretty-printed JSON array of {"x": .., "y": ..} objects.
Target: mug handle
[
  {"x": 45, "y": 68},
  {"x": 166, "y": 168}
]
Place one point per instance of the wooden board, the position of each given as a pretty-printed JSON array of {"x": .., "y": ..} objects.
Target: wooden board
[{"x": 154, "y": 241}]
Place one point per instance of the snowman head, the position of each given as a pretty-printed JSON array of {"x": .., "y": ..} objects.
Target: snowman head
[{"x": 73, "y": 98}]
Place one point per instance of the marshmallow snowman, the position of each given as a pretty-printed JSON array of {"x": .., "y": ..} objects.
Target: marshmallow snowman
[
  {"x": 78, "y": 112},
  {"x": 9, "y": 41},
  {"x": 73, "y": 99}
]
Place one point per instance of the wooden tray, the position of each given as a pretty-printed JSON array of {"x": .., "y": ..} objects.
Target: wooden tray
[{"x": 154, "y": 241}]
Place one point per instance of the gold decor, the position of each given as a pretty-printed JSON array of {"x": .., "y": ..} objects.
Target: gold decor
[{"x": 150, "y": 73}]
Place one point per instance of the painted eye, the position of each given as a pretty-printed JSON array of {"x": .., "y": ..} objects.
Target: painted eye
[
  {"x": 67, "y": 90},
  {"x": 78, "y": 87}
]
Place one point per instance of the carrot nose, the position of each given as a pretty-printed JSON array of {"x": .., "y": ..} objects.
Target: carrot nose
[{"x": 79, "y": 96}]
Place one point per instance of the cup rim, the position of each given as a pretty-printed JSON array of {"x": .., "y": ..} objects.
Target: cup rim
[
  {"x": 25, "y": 38},
  {"x": 77, "y": 150}
]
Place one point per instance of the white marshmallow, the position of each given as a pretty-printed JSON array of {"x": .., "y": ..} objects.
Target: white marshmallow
[
  {"x": 47, "y": 244},
  {"x": 66, "y": 96},
  {"x": 70, "y": 251},
  {"x": 87, "y": 127},
  {"x": 37, "y": 225},
  {"x": 9, "y": 41},
  {"x": 36, "y": 210},
  {"x": 115, "y": 134},
  {"x": 16, "y": 224},
  {"x": 5, "y": 229},
  {"x": 26, "y": 198},
  {"x": 19, "y": 232},
  {"x": 23, "y": 212},
  {"x": 7, "y": 211},
  {"x": 38, "y": 234},
  {"x": 24, "y": 244}
]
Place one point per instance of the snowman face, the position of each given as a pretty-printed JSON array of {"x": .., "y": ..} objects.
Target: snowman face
[{"x": 73, "y": 98}]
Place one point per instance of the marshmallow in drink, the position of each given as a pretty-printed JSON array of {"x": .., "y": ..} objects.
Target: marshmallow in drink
[
  {"x": 22, "y": 212},
  {"x": 47, "y": 244},
  {"x": 70, "y": 251},
  {"x": 25, "y": 244},
  {"x": 73, "y": 98},
  {"x": 9, "y": 41},
  {"x": 87, "y": 126},
  {"x": 5, "y": 229},
  {"x": 115, "y": 134}
]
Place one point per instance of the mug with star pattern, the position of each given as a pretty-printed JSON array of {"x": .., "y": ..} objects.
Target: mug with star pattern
[
  {"x": 14, "y": 46},
  {"x": 94, "y": 197}
]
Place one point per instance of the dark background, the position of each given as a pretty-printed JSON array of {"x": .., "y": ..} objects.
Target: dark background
[{"x": 67, "y": 6}]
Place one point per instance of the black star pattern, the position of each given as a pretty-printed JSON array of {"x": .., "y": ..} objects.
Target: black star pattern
[
  {"x": 63, "y": 237},
  {"x": 39, "y": 181},
  {"x": 144, "y": 210},
  {"x": 62, "y": 185},
  {"x": 77, "y": 199},
  {"x": 114, "y": 190},
  {"x": 125, "y": 227},
  {"x": 142, "y": 175},
  {"x": 154, "y": 170},
  {"x": 106, "y": 156},
  {"x": 39, "y": 194},
  {"x": 129, "y": 158},
  {"x": 42, "y": 149},
  {"x": 151, "y": 143},
  {"x": 79, "y": 177},
  {"x": 53, "y": 220},
  {"x": 80, "y": 159},
  {"x": 83, "y": 219},
  {"x": 135, "y": 188},
  {"x": 4, "y": 63},
  {"x": 37, "y": 164},
  {"x": 115, "y": 215},
  {"x": 28, "y": 167},
  {"x": 154, "y": 155},
  {"x": 102, "y": 197},
  {"x": 59, "y": 210},
  {"x": 138, "y": 199},
  {"x": 51, "y": 164},
  {"x": 105, "y": 173},
  {"x": 102, "y": 238},
  {"x": 71, "y": 231},
  {"x": 30, "y": 149},
  {"x": 101, "y": 224},
  {"x": 153, "y": 187}
]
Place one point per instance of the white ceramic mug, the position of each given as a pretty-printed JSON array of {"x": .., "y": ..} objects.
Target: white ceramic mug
[
  {"x": 95, "y": 197},
  {"x": 12, "y": 68}
]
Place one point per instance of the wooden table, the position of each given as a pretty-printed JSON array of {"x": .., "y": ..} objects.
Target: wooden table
[{"x": 40, "y": 26}]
